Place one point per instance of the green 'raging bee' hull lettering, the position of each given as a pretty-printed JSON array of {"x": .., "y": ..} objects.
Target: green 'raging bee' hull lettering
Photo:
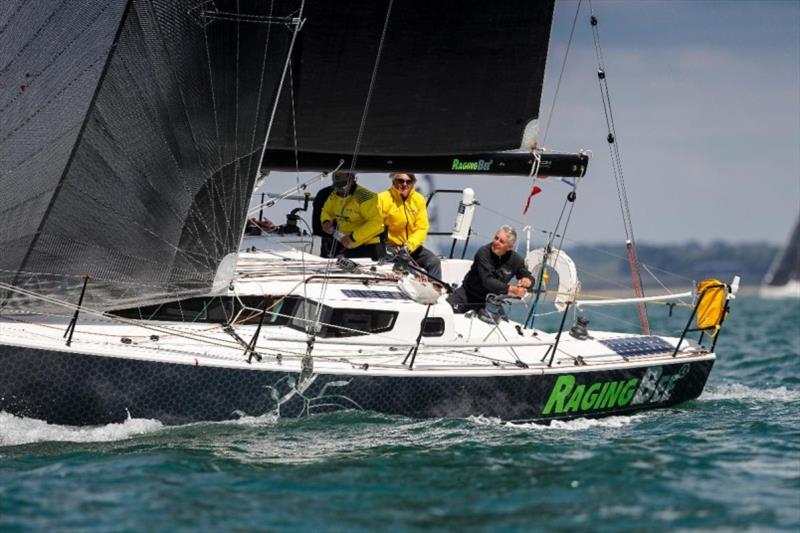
[
  {"x": 479, "y": 165},
  {"x": 567, "y": 398},
  {"x": 654, "y": 387}
]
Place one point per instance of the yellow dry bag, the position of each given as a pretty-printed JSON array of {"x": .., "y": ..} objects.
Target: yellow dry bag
[{"x": 711, "y": 307}]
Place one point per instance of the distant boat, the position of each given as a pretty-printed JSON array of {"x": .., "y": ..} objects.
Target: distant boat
[{"x": 783, "y": 278}]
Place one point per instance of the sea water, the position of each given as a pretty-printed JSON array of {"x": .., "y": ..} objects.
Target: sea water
[{"x": 727, "y": 461}]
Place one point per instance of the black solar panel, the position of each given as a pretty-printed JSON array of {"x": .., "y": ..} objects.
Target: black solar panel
[
  {"x": 378, "y": 295},
  {"x": 638, "y": 345}
]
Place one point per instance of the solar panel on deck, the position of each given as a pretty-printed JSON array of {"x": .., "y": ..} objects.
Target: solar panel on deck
[
  {"x": 628, "y": 346},
  {"x": 378, "y": 295}
]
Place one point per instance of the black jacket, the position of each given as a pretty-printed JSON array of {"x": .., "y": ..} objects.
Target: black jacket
[
  {"x": 316, "y": 211},
  {"x": 491, "y": 274}
]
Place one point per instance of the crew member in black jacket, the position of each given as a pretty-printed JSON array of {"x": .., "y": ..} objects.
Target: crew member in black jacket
[
  {"x": 327, "y": 241},
  {"x": 492, "y": 269}
]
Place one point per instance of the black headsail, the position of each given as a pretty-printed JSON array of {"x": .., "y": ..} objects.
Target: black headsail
[
  {"x": 130, "y": 141},
  {"x": 132, "y": 130},
  {"x": 457, "y": 84}
]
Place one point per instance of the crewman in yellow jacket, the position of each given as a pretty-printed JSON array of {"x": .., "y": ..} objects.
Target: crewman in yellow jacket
[
  {"x": 351, "y": 215},
  {"x": 405, "y": 215}
]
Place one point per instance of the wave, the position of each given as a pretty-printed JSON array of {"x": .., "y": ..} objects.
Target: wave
[
  {"x": 269, "y": 418},
  {"x": 737, "y": 391},
  {"x": 579, "y": 424},
  {"x": 15, "y": 431}
]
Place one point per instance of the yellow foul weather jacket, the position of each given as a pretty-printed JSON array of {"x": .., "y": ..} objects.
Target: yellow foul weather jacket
[
  {"x": 407, "y": 221},
  {"x": 356, "y": 214}
]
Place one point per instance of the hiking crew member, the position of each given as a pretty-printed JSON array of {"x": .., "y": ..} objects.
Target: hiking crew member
[
  {"x": 405, "y": 215},
  {"x": 351, "y": 215}
]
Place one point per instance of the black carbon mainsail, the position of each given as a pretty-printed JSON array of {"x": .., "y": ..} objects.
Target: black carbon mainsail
[{"x": 132, "y": 131}]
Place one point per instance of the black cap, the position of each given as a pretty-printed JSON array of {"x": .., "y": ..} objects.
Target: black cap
[{"x": 343, "y": 179}]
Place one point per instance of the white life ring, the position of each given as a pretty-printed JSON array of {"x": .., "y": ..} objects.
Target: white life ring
[{"x": 568, "y": 284}]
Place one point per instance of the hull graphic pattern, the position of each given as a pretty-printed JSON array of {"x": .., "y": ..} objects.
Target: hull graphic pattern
[{"x": 82, "y": 389}]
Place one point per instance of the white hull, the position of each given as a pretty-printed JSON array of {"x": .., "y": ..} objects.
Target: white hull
[
  {"x": 790, "y": 290},
  {"x": 116, "y": 367}
]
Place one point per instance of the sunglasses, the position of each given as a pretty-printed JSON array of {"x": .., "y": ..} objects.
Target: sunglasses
[{"x": 403, "y": 183}]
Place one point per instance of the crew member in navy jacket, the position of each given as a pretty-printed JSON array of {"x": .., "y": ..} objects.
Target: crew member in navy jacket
[{"x": 494, "y": 266}]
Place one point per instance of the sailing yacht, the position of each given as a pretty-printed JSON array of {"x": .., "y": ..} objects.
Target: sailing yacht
[
  {"x": 783, "y": 278},
  {"x": 132, "y": 137}
]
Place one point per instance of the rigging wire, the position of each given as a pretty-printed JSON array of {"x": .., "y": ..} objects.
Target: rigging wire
[
  {"x": 374, "y": 76},
  {"x": 612, "y": 139},
  {"x": 561, "y": 74},
  {"x": 297, "y": 174},
  {"x": 236, "y": 189},
  {"x": 256, "y": 120},
  {"x": 218, "y": 143},
  {"x": 655, "y": 278},
  {"x": 356, "y": 149},
  {"x": 504, "y": 216},
  {"x": 616, "y": 159},
  {"x": 298, "y": 24},
  {"x": 570, "y": 199},
  {"x": 572, "y": 195}
]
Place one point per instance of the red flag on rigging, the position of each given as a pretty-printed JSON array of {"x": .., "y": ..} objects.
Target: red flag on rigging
[{"x": 534, "y": 191}]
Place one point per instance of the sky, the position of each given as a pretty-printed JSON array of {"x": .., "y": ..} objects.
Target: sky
[{"x": 706, "y": 103}]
